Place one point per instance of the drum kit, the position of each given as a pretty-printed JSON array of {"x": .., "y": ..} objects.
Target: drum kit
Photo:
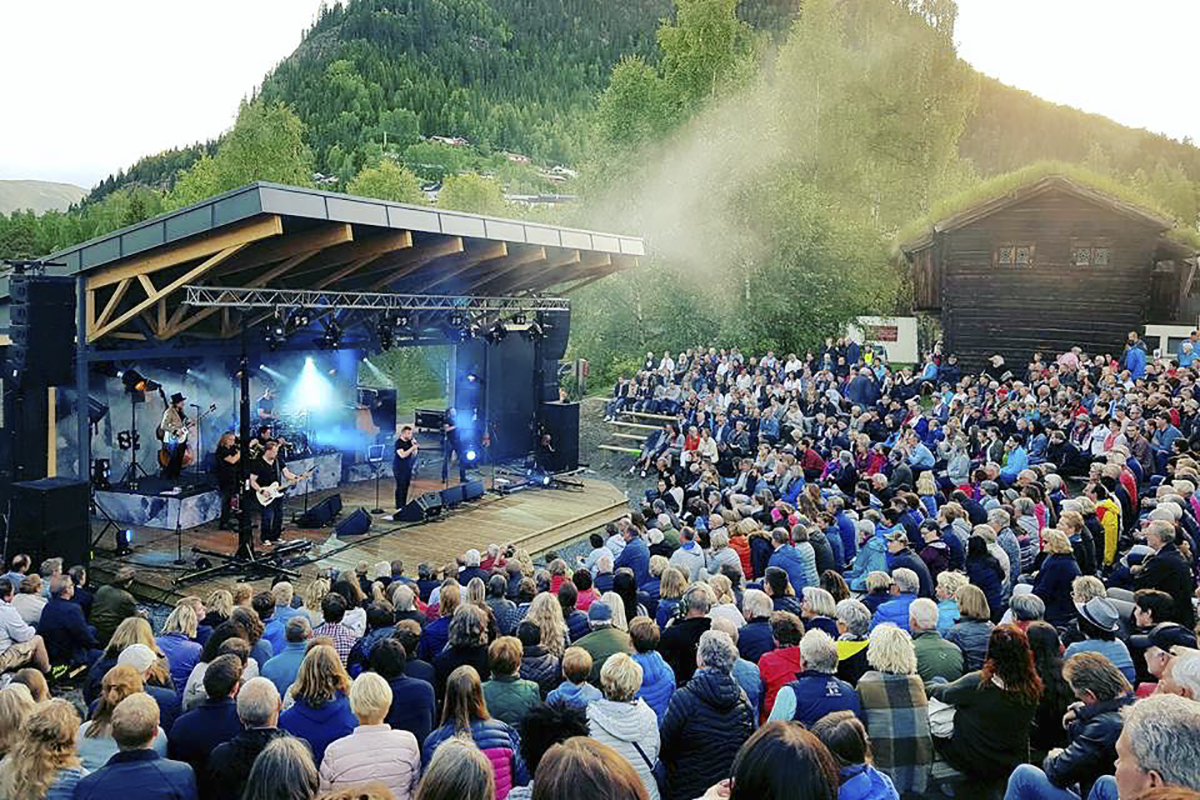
[{"x": 291, "y": 429}]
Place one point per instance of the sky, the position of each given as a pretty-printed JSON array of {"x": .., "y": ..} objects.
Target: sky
[{"x": 105, "y": 83}]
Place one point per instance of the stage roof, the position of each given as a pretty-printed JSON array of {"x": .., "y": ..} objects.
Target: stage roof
[{"x": 267, "y": 235}]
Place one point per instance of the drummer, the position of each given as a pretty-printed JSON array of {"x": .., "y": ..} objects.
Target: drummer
[{"x": 266, "y": 406}]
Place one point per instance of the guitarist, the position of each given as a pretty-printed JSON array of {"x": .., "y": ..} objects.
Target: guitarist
[
  {"x": 264, "y": 471},
  {"x": 175, "y": 428}
]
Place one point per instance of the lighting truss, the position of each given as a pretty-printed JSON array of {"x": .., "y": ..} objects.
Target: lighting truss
[{"x": 236, "y": 297}]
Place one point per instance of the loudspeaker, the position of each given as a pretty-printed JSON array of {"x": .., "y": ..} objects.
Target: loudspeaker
[
  {"x": 472, "y": 490},
  {"x": 561, "y": 421},
  {"x": 322, "y": 514},
  {"x": 427, "y": 505},
  {"x": 452, "y": 496},
  {"x": 557, "y": 327},
  {"x": 42, "y": 327},
  {"x": 356, "y": 524},
  {"x": 50, "y": 518}
]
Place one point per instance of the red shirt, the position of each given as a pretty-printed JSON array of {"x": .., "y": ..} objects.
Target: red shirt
[{"x": 778, "y": 668}]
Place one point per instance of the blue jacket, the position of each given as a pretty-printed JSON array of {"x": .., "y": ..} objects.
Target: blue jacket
[
  {"x": 282, "y": 669},
  {"x": 169, "y": 705},
  {"x": 273, "y": 633},
  {"x": 755, "y": 638},
  {"x": 182, "y": 654},
  {"x": 65, "y": 632},
  {"x": 575, "y": 695},
  {"x": 320, "y": 726},
  {"x": 1135, "y": 362},
  {"x": 849, "y": 535},
  {"x": 1018, "y": 459},
  {"x": 488, "y": 735},
  {"x": 577, "y": 625},
  {"x": 666, "y": 610},
  {"x": 872, "y": 557},
  {"x": 636, "y": 556},
  {"x": 864, "y": 782},
  {"x": 990, "y": 582},
  {"x": 658, "y": 681},
  {"x": 433, "y": 639},
  {"x": 894, "y": 611},
  {"x": 195, "y": 734},
  {"x": 143, "y": 774},
  {"x": 1053, "y": 585},
  {"x": 801, "y": 571},
  {"x": 413, "y": 707}
]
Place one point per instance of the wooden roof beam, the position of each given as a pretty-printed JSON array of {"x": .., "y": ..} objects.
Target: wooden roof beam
[
  {"x": 410, "y": 263},
  {"x": 154, "y": 294},
  {"x": 468, "y": 264},
  {"x": 557, "y": 273},
  {"x": 488, "y": 270},
  {"x": 563, "y": 259},
  {"x": 200, "y": 247},
  {"x": 375, "y": 246},
  {"x": 287, "y": 247}
]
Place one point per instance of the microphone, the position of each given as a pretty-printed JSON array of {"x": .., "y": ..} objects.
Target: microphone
[{"x": 194, "y": 405}]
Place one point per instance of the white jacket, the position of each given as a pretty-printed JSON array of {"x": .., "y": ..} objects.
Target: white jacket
[
  {"x": 373, "y": 753},
  {"x": 619, "y": 725}
]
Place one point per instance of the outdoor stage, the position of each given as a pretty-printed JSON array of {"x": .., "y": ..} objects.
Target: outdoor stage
[{"x": 534, "y": 519}]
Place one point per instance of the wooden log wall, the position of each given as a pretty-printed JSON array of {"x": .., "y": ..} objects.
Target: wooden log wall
[{"x": 1052, "y": 305}]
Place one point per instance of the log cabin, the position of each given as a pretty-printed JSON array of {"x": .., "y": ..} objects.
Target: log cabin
[{"x": 1048, "y": 265}]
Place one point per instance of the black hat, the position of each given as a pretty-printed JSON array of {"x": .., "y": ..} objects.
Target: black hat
[
  {"x": 1164, "y": 636},
  {"x": 177, "y": 398}
]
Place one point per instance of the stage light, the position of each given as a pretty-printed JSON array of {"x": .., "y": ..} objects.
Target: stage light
[
  {"x": 276, "y": 333},
  {"x": 101, "y": 473},
  {"x": 136, "y": 383},
  {"x": 533, "y": 333},
  {"x": 496, "y": 333},
  {"x": 520, "y": 319},
  {"x": 472, "y": 377},
  {"x": 471, "y": 455},
  {"x": 331, "y": 339},
  {"x": 301, "y": 318},
  {"x": 124, "y": 541},
  {"x": 312, "y": 391}
]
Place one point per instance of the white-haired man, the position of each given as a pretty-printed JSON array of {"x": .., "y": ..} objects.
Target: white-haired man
[
  {"x": 1159, "y": 745},
  {"x": 258, "y": 707},
  {"x": 817, "y": 690},
  {"x": 936, "y": 658}
]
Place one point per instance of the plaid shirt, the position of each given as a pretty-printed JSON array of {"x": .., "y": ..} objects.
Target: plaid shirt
[
  {"x": 897, "y": 715},
  {"x": 343, "y": 638}
]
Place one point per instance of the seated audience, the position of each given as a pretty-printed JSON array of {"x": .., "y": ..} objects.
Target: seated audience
[
  {"x": 623, "y": 722},
  {"x": 321, "y": 713},
  {"x": 896, "y": 710},
  {"x": 373, "y": 752},
  {"x": 816, "y": 690},
  {"x": 43, "y": 764},
  {"x": 137, "y": 770},
  {"x": 575, "y": 691},
  {"x": 96, "y": 744},
  {"x": 229, "y": 764}
]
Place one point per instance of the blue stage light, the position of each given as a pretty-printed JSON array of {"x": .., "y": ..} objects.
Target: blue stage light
[
  {"x": 124, "y": 542},
  {"x": 470, "y": 455}
]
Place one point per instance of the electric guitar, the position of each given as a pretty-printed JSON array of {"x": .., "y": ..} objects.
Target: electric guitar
[
  {"x": 174, "y": 438},
  {"x": 270, "y": 493}
]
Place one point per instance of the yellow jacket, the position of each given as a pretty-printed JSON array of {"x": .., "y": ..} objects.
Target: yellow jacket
[{"x": 1109, "y": 513}]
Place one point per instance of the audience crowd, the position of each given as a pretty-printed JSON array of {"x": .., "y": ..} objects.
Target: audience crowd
[{"x": 845, "y": 581}]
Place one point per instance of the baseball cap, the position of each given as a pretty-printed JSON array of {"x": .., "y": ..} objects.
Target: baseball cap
[
  {"x": 1164, "y": 636},
  {"x": 138, "y": 656},
  {"x": 599, "y": 612}
]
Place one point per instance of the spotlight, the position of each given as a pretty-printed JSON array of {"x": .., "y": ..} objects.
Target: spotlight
[
  {"x": 101, "y": 473},
  {"x": 471, "y": 455},
  {"x": 533, "y": 333},
  {"x": 124, "y": 541},
  {"x": 136, "y": 383},
  {"x": 387, "y": 334},
  {"x": 301, "y": 318},
  {"x": 496, "y": 333},
  {"x": 520, "y": 319},
  {"x": 461, "y": 329},
  {"x": 472, "y": 377},
  {"x": 331, "y": 339}
]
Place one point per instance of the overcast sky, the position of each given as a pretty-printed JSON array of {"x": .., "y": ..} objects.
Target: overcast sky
[{"x": 92, "y": 86}]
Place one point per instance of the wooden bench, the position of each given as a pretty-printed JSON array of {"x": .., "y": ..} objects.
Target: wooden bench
[
  {"x": 618, "y": 449},
  {"x": 648, "y": 415},
  {"x": 637, "y": 425},
  {"x": 637, "y": 437}
]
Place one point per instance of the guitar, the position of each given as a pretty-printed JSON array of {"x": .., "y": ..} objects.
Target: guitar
[
  {"x": 176, "y": 438},
  {"x": 272, "y": 492}
]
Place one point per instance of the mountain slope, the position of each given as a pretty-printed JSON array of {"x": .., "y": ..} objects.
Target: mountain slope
[{"x": 38, "y": 196}]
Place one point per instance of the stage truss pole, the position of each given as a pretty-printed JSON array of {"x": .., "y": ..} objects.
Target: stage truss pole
[{"x": 244, "y": 298}]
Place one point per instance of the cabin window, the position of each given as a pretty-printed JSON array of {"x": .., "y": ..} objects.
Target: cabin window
[
  {"x": 1014, "y": 255},
  {"x": 1085, "y": 253}
]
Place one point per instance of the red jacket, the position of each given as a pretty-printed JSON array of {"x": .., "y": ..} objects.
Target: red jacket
[{"x": 777, "y": 668}]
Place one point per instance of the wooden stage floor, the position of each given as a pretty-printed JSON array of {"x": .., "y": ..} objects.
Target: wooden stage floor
[{"x": 535, "y": 519}]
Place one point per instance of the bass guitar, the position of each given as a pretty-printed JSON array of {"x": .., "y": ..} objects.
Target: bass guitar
[{"x": 271, "y": 492}]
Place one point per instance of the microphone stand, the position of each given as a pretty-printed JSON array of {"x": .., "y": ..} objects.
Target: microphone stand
[{"x": 196, "y": 464}]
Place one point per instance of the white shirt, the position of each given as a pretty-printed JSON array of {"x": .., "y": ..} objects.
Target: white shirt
[
  {"x": 13, "y": 629},
  {"x": 29, "y": 606}
]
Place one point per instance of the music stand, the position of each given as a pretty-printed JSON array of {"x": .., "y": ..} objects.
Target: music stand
[{"x": 375, "y": 459}]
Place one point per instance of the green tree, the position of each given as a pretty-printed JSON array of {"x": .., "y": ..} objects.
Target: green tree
[
  {"x": 265, "y": 144},
  {"x": 387, "y": 181},
  {"x": 705, "y": 50},
  {"x": 473, "y": 193}
]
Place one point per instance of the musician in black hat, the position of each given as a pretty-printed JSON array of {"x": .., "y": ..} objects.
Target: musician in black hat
[{"x": 173, "y": 430}]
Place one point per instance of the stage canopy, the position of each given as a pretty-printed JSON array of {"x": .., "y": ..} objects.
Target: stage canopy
[{"x": 136, "y": 281}]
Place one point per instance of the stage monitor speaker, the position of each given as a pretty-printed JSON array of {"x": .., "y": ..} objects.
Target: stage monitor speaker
[
  {"x": 50, "y": 518},
  {"x": 472, "y": 490},
  {"x": 42, "y": 328},
  {"x": 356, "y": 524},
  {"x": 322, "y": 514},
  {"x": 452, "y": 496},
  {"x": 561, "y": 421},
  {"x": 425, "y": 506}
]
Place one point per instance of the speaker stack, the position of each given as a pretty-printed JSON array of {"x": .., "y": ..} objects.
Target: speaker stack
[
  {"x": 561, "y": 421},
  {"x": 42, "y": 327},
  {"x": 356, "y": 524},
  {"x": 322, "y": 514},
  {"x": 49, "y": 519},
  {"x": 431, "y": 504}
]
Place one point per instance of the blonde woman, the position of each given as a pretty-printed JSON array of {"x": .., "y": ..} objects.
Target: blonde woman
[
  {"x": 321, "y": 713},
  {"x": 312, "y": 600},
  {"x": 133, "y": 630},
  {"x": 373, "y": 752},
  {"x": 818, "y": 610},
  {"x": 670, "y": 592},
  {"x": 1058, "y": 571},
  {"x": 43, "y": 763},
  {"x": 546, "y": 612},
  {"x": 948, "y": 584},
  {"x": 178, "y": 643},
  {"x": 623, "y": 721},
  {"x": 243, "y": 594},
  {"x": 16, "y": 703},
  {"x": 725, "y": 606},
  {"x": 974, "y": 626},
  {"x": 896, "y": 709},
  {"x": 220, "y": 605},
  {"x": 615, "y": 602},
  {"x": 96, "y": 742}
]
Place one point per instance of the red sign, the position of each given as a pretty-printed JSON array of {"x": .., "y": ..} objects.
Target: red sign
[{"x": 881, "y": 333}]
